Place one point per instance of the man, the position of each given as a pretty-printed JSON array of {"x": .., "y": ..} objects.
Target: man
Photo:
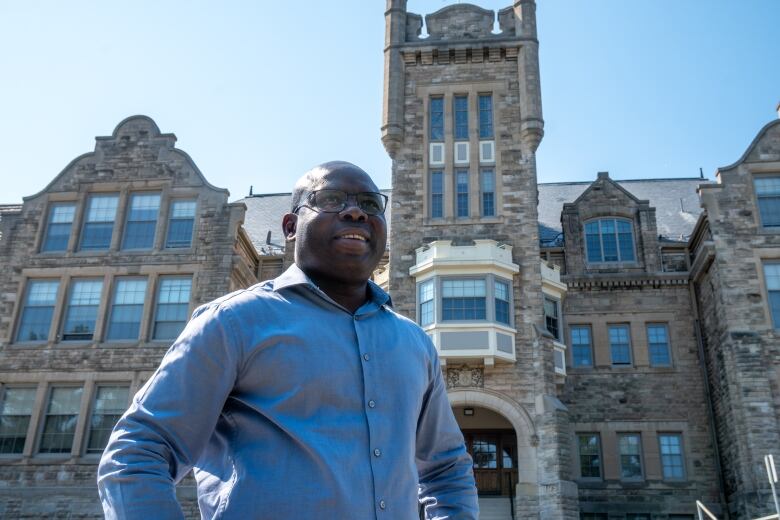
[{"x": 301, "y": 397}]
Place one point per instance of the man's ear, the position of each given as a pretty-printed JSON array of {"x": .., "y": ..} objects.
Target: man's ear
[{"x": 289, "y": 225}]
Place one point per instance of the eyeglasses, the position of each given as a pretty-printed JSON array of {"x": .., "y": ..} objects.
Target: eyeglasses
[{"x": 335, "y": 201}]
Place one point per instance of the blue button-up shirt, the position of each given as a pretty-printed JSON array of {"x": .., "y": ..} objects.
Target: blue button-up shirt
[{"x": 289, "y": 406}]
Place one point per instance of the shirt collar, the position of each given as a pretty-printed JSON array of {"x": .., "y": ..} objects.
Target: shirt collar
[{"x": 294, "y": 276}]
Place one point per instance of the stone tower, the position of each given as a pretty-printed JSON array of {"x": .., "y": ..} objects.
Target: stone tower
[{"x": 462, "y": 120}]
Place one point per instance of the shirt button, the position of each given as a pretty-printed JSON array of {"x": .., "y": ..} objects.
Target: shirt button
[
  {"x": 382, "y": 504},
  {"x": 366, "y": 357},
  {"x": 377, "y": 452},
  {"x": 371, "y": 404}
]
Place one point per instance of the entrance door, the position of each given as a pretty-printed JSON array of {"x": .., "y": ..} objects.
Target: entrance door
[{"x": 495, "y": 460}]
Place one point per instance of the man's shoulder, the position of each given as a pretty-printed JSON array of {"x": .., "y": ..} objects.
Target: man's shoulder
[{"x": 242, "y": 299}]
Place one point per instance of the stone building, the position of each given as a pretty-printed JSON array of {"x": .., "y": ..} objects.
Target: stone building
[
  {"x": 609, "y": 346},
  {"x": 99, "y": 271}
]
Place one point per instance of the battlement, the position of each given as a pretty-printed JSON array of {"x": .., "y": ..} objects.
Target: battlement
[{"x": 461, "y": 22}]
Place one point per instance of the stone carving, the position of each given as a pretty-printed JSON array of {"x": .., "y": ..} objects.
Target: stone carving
[{"x": 465, "y": 376}]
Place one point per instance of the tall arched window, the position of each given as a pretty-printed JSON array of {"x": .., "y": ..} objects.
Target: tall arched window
[{"x": 609, "y": 240}]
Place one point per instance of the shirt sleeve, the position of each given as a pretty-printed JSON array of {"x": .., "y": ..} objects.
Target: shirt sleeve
[
  {"x": 446, "y": 477},
  {"x": 158, "y": 440}
]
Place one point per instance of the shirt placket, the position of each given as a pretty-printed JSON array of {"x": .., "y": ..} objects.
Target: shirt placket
[{"x": 375, "y": 408}]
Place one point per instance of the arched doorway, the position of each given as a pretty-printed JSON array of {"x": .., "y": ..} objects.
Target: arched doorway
[{"x": 500, "y": 437}]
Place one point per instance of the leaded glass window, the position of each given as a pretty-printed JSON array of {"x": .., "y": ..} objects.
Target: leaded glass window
[{"x": 38, "y": 310}]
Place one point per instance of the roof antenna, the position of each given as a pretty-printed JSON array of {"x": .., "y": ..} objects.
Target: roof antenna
[
  {"x": 701, "y": 173},
  {"x": 250, "y": 190}
]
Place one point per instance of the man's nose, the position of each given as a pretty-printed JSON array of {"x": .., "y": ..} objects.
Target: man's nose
[{"x": 352, "y": 211}]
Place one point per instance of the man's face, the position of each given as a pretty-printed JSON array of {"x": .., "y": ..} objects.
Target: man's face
[{"x": 338, "y": 247}]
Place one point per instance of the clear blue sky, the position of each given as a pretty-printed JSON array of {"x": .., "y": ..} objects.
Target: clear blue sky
[{"x": 257, "y": 92}]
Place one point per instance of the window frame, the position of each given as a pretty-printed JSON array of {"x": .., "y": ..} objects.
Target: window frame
[
  {"x": 679, "y": 435},
  {"x": 485, "y": 173},
  {"x": 591, "y": 356},
  {"x": 627, "y": 326},
  {"x": 768, "y": 281},
  {"x": 640, "y": 454},
  {"x": 667, "y": 332},
  {"x": 429, "y": 282},
  {"x": 158, "y": 287},
  {"x": 44, "y": 414},
  {"x": 29, "y": 282},
  {"x": 490, "y": 297},
  {"x": 4, "y": 388},
  {"x": 485, "y": 135},
  {"x": 99, "y": 310},
  {"x": 87, "y": 433},
  {"x": 48, "y": 223},
  {"x": 86, "y": 221},
  {"x": 110, "y": 304},
  {"x": 171, "y": 204},
  {"x": 620, "y": 260},
  {"x": 558, "y": 316},
  {"x": 600, "y": 455},
  {"x": 462, "y": 202},
  {"x": 436, "y": 196},
  {"x": 128, "y": 221},
  {"x": 439, "y": 127},
  {"x": 758, "y": 197},
  {"x": 460, "y": 117}
]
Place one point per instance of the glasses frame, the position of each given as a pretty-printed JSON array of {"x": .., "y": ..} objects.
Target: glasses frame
[{"x": 347, "y": 196}]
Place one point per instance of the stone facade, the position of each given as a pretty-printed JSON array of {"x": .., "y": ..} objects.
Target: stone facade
[{"x": 42, "y": 480}]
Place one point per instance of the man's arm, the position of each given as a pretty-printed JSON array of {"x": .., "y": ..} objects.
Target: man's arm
[
  {"x": 444, "y": 466},
  {"x": 160, "y": 437}
]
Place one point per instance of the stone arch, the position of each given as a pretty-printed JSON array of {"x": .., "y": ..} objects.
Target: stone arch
[{"x": 517, "y": 415}]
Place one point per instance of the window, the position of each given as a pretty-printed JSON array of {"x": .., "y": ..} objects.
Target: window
[
  {"x": 36, "y": 318},
  {"x": 126, "y": 309},
  {"x": 768, "y": 195},
  {"x": 488, "y": 189},
  {"x": 590, "y": 455},
  {"x": 15, "y": 419},
  {"x": 619, "y": 344},
  {"x": 658, "y": 345},
  {"x": 485, "y": 116},
  {"x": 110, "y": 404},
  {"x": 551, "y": 318},
  {"x": 671, "y": 456},
  {"x": 461, "y": 110},
  {"x": 502, "y": 302},
  {"x": 581, "y": 346},
  {"x": 772, "y": 277},
  {"x": 436, "y": 122},
  {"x": 99, "y": 224},
  {"x": 630, "y": 447},
  {"x": 59, "y": 426},
  {"x": 463, "y": 299},
  {"x": 462, "y": 193},
  {"x": 58, "y": 227},
  {"x": 180, "y": 224},
  {"x": 173, "y": 302},
  {"x": 81, "y": 314},
  {"x": 437, "y": 194},
  {"x": 141, "y": 221},
  {"x": 609, "y": 240},
  {"x": 426, "y": 303}
]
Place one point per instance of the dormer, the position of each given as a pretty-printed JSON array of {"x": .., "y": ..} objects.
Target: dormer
[{"x": 608, "y": 229}]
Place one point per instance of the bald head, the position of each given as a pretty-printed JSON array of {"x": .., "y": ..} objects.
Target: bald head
[{"x": 312, "y": 179}]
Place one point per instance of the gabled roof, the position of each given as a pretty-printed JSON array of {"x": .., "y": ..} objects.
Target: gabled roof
[{"x": 675, "y": 200}]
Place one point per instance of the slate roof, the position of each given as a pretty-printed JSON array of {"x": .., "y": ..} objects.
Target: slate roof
[{"x": 675, "y": 200}]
